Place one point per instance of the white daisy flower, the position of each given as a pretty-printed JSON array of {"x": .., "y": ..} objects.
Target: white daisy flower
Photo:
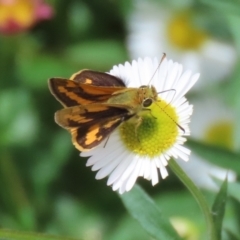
[
  {"x": 213, "y": 122},
  {"x": 142, "y": 148},
  {"x": 153, "y": 27}
]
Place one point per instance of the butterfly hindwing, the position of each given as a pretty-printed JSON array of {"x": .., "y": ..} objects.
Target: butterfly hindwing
[
  {"x": 97, "y": 78},
  {"x": 90, "y": 125},
  {"x": 92, "y": 135}
]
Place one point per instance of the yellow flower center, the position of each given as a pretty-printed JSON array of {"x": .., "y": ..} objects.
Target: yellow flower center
[
  {"x": 153, "y": 132},
  {"x": 183, "y": 34},
  {"x": 18, "y": 11},
  {"x": 221, "y": 134}
]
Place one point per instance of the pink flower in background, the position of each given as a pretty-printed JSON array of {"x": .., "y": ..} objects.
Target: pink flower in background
[{"x": 19, "y": 15}]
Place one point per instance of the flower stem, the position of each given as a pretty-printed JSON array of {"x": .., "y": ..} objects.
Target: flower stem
[{"x": 197, "y": 195}]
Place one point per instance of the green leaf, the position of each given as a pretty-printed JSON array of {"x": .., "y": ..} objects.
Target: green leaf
[
  {"x": 233, "y": 21},
  {"x": 234, "y": 190},
  {"x": 218, "y": 208},
  {"x": 95, "y": 54},
  {"x": 232, "y": 236},
  {"x": 126, "y": 229},
  {"x": 216, "y": 155},
  {"x": 18, "y": 119},
  {"x": 146, "y": 212},
  {"x": 15, "y": 235},
  {"x": 14, "y": 198},
  {"x": 35, "y": 69},
  {"x": 74, "y": 217},
  {"x": 229, "y": 6},
  {"x": 232, "y": 96}
]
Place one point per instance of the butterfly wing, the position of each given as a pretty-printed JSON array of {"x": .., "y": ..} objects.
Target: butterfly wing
[
  {"x": 97, "y": 79},
  {"x": 84, "y": 88},
  {"x": 70, "y": 93},
  {"x": 89, "y": 125}
]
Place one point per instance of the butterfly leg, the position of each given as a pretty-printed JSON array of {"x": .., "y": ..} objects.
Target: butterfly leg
[
  {"x": 146, "y": 109},
  {"x": 138, "y": 123}
]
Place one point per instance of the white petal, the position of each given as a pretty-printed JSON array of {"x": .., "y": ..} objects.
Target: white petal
[
  {"x": 106, "y": 170},
  {"x": 176, "y": 150},
  {"x": 163, "y": 160},
  {"x": 154, "y": 172},
  {"x": 117, "y": 184},
  {"x": 133, "y": 177},
  {"x": 147, "y": 169},
  {"x": 141, "y": 171},
  {"x": 186, "y": 84},
  {"x": 106, "y": 159},
  {"x": 118, "y": 171},
  {"x": 162, "y": 169}
]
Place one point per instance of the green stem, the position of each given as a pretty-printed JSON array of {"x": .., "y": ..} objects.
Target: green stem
[
  {"x": 197, "y": 195},
  {"x": 15, "y": 235}
]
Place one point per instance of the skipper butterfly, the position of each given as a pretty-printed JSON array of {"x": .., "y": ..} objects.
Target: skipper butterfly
[{"x": 96, "y": 103}]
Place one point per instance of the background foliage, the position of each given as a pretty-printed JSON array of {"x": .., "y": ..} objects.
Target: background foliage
[{"x": 44, "y": 185}]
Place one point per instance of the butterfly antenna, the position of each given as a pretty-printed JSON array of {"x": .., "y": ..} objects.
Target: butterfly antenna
[
  {"x": 171, "y": 118},
  {"x": 168, "y": 91},
  {"x": 163, "y": 57}
]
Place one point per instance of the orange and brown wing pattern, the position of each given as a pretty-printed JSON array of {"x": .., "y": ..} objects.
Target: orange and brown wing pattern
[
  {"x": 71, "y": 93},
  {"x": 90, "y": 125}
]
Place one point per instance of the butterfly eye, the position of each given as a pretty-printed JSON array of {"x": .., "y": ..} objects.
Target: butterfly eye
[
  {"x": 147, "y": 102},
  {"x": 143, "y": 86}
]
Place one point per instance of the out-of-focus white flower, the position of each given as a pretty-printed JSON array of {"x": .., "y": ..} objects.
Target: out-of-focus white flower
[
  {"x": 213, "y": 123},
  {"x": 154, "y": 29}
]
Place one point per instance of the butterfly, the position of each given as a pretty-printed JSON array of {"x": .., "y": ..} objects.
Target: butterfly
[{"x": 96, "y": 103}]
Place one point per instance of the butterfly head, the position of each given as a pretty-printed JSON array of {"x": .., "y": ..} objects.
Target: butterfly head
[{"x": 147, "y": 95}]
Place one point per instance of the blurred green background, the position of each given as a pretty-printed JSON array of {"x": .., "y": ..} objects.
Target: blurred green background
[{"x": 44, "y": 185}]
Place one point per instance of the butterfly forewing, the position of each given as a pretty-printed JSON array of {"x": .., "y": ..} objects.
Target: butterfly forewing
[
  {"x": 71, "y": 93},
  {"x": 85, "y": 87},
  {"x": 91, "y": 124}
]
